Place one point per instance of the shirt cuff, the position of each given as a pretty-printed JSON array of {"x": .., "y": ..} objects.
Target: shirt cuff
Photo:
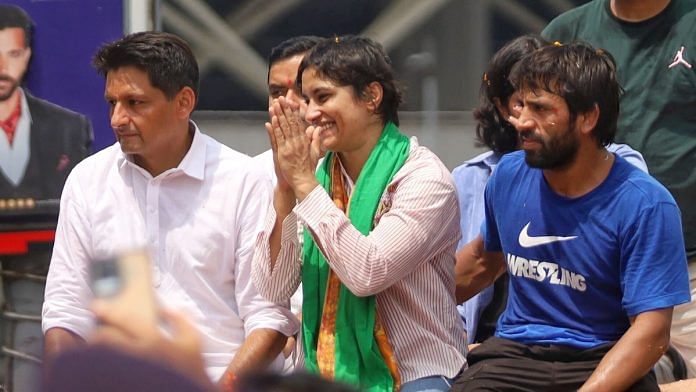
[
  {"x": 277, "y": 318},
  {"x": 289, "y": 231},
  {"x": 83, "y": 330},
  {"x": 314, "y": 207}
]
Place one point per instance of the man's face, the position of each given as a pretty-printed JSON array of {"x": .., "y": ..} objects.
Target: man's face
[
  {"x": 547, "y": 137},
  {"x": 281, "y": 81},
  {"x": 142, "y": 117},
  {"x": 14, "y": 58}
]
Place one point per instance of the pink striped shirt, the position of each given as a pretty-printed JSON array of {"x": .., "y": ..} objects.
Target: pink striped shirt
[{"x": 407, "y": 261}]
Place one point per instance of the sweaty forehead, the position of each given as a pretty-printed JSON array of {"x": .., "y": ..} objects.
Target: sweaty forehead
[
  {"x": 539, "y": 83},
  {"x": 533, "y": 94}
]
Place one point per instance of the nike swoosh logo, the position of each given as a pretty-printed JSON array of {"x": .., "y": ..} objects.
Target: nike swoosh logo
[{"x": 527, "y": 242}]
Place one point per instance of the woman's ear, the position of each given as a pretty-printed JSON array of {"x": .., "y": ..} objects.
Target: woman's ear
[{"x": 374, "y": 93}]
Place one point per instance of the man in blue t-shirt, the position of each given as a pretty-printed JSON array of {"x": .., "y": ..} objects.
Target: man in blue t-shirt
[{"x": 587, "y": 240}]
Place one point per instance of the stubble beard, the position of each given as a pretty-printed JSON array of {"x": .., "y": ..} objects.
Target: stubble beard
[
  {"x": 14, "y": 84},
  {"x": 556, "y": 153}
]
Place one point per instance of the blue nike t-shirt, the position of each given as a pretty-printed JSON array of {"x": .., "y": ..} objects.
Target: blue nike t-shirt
[{"x": 580, "y": 267}]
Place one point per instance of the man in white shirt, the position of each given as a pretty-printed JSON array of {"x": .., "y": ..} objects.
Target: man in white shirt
[{"x": 195, "y": 204}]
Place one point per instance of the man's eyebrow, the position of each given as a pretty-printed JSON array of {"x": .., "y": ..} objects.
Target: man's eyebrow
[
  {"x": 129, "y": 95},
  {"x": 534, "y": 100}
]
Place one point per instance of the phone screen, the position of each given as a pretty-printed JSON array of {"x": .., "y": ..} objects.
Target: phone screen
[
  {"x": 106, "y": 278},
  {"x": 126, "y": 281}
]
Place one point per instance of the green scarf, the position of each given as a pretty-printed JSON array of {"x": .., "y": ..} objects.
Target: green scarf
[{"x": 358, "y": 360}]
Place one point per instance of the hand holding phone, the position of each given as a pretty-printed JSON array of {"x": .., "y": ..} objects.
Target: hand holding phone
[
  {"x": 125, "y": 282},
  {"x": 131, "y": 320}
]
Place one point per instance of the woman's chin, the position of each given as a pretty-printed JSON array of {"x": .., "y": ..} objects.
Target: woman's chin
[{"x": 328, "y": 144}]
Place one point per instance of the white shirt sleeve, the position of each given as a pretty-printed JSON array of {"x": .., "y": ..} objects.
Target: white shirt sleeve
[
  {"x": 67, "y": 296},
  {"x": 256, "y": 311}
]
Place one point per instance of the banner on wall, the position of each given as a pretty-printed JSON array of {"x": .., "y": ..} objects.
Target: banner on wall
[{"x": 66, "y": 35}]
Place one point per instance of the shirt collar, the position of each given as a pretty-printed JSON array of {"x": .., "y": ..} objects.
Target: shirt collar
[
  {"x": 193, "y": 163},
  {"x": 25, "y": 106},
  {"x": 488, "y": 158},
  {"x": 9, "y": 125}
]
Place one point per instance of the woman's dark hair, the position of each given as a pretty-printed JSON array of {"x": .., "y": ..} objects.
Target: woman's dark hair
[
  {"x": 166, "y": 58},
  {"x": 356, "y": 61},
  {"x": 492, "y": 130},
  {"x": 580, "y": 74}
]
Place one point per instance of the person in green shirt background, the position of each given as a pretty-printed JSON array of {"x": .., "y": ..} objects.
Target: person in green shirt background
[{"x": 654, "y": 45}]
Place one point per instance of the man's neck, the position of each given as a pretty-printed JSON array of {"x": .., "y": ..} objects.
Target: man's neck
[
  {"x": 637, "y": 10},
  {"x": 9, "y": 105},
  {"x": 590, "y": 168},
  {"x": 176, "y": 151}
]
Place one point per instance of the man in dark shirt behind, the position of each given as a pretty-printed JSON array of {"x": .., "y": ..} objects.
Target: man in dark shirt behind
[{"x": 654, "y": 44}]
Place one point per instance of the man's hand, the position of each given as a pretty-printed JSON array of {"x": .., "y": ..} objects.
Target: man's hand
[{"x": 180, "y": 349}]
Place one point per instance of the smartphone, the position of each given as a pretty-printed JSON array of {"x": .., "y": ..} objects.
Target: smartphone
[
  {"x": 106, "y": 278},
  {"x": 126, "y": 281}
]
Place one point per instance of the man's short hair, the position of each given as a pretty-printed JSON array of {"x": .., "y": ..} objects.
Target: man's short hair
[
  {"x": 291, "y": 47},
  {"x": 166, "y": 58},
  {"x": 581, "y": 75},
  {"x": 13, "y": 16},
  {"x": 356, "y": 62}
]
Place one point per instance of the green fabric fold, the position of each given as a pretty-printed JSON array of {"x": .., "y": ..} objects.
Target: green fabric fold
[{"x": 358, "y": 359}]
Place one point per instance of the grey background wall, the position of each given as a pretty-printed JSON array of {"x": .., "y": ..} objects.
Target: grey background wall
[{"x": 451, "y": 135}]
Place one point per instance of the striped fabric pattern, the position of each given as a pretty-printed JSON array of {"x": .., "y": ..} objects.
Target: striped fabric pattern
[{"x": 407, "y": 261}]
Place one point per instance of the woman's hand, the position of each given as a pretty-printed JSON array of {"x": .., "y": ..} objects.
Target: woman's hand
[{"x": 296, "y": 147}]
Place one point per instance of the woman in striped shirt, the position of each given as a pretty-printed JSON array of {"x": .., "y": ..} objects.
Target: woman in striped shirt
[{"x": 381, "y": 225}]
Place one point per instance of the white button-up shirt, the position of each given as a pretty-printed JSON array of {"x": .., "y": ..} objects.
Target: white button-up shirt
[{"x": 199, "y": 221}]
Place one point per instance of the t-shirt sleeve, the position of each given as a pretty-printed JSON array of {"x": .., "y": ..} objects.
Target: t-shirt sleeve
[
  {"x": 653, "y": 261},
  {"x": 550, "y": 32},
  {"x": 489, "y": 227}
]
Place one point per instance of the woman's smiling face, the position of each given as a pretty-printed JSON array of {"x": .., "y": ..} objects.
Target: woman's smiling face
[{"x": 338, "y": 110}]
